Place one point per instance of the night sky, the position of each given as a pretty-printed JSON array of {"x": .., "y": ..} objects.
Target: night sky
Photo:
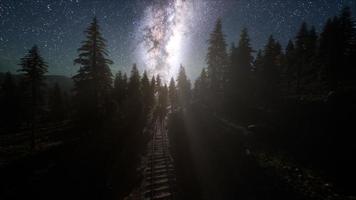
[{"x": 57, "y": 26}]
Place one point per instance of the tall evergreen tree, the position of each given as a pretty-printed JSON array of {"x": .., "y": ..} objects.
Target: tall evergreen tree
[
  {"x": 336, "y": 50},
  {"x": 134, "y": 100},
  {"x": 311, "y": 72},
  {"x": 348, "y": 43},
  {"x": 305, "y": 49},
  {"x": 327, "y": 49},
  {"x": 134, "y": 87},
  {"x": 217, "y": 60},
  {"x": 120, "y": 87},
  {"x": 158, "y": 83},
  {"x": 163, "y": 100},
  {"x": 240, "y": 85},
  {"x": 288, "y": 73},
  {"x": 201, "y": 88},
  {"x": 183, "y": 88},
  {"x": 244, "y": 58},
  {"x": 33, "y": 67},
  {"x": 93, "y": 82},
  {"x": 268, "y": 72},
  {"x": 300, "y": 49},
  {"x": 153, "y": 84},
  {"x": 172, "y": 94},
  {"x": 147, "y": 94}
]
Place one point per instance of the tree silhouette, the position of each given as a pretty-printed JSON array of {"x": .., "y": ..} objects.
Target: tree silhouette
[
  {"x": 240, "y": 72},
  {"x": 268, "y": 72},
  {"x": 134, "y": 99},
  {"x": 183, "y": 88},
  {"x": 300, "y": 49},
  {"x": 33, "y": 68},
  {"x": 120, "y": 88},
  {"x": 93, "y": 80},
  {"x": 201, "y": 88},
  {"x": 348, "y": 42},
  {"x": 217, "y": 63},
  {"x": 310, "y": 74},
  {"x": 337, "y": 49},
  {"x": 153, "y": 84},
  {"x": 305, "y": 50},
  {"x": 163, "y": 101},
  {"x": 172, "y": 93},
  {"x": 158, "y": 84},
  {"x": 289, "y": 70},
  {"x": 147, "y": 93}
]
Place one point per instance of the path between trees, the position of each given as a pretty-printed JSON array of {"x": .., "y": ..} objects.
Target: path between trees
[{"x": 159, "y": 180}]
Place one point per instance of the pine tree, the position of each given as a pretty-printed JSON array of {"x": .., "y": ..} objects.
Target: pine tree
[
  {"x": 300, "y": 46},
  {"x": 289, "y": 71},
  {"x": 158, "y": 84},
  {"x": 269, "y": 72},
  {"x": 134, "y": 82},
  {"x": 134, "y": 99},
  {"x": 231, "y": 59},
  {"x": 217, "y": 60},
  {"x": 347, "y": 31},
  {"x": 163, "y": 100},
  {"x": 153, "y": 83},
  {"x": 201, "y": 88},
  {"x": 172, "y": 93},
  {"x": 118, "y": 80},
  {"x": 259, "y": 59},
  {"x": 258, "y": 72},
  {"x": 333, "y": 50},
  {"x": 183, "y": 88},
  {"x": 147, "y": 94},
  {"x": 33, "y": 67},
  {"x": 244, "y": 54},
  {"x": 153, "y": 88},
  {"x": 305, "y": 49},
  {"x": 336, "y": 52},
  {"x": 311, "y": 72},
  {"x": 240, "y": 71},
  {"x": 120, "y": 87},
  {"x": 326, "y": 50},
  {"x": 93, "y": 82}
]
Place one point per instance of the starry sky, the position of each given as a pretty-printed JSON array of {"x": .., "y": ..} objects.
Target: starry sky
[{"x": 57, "y": 26}]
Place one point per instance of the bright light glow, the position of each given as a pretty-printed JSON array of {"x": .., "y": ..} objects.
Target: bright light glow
[{"x": 164, "y": 26}]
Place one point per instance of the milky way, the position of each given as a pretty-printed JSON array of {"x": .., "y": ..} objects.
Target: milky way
[
  {"x": 57, "y": 26},
  {"x": 165, "y": 26}
]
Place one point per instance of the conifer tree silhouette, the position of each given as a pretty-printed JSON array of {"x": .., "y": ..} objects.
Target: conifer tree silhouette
[
  {"x": 93, "y": 82},
  {"x": 33, "y": 68},
  {"x": 217, "y": 63}
]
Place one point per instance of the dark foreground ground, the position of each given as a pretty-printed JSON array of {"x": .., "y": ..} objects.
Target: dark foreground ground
[
  {"x": 84, "y": 167},
  {"x": 217, "y": 159},
  {"x": 214, "y": 158}
]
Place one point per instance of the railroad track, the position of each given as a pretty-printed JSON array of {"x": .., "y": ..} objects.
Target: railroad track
[{"x": 159, "y": 179}]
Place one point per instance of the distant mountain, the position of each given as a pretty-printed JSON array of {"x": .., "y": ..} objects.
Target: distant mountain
[{"x": 64, "y": 82}]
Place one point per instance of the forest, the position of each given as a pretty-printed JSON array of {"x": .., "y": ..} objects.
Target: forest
[{"x": 271, "y": 123}]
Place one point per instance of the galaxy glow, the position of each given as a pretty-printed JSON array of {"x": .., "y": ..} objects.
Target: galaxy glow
[
  {"x": 165, "y": 26},
  {"x": 158, "y": 35}
]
